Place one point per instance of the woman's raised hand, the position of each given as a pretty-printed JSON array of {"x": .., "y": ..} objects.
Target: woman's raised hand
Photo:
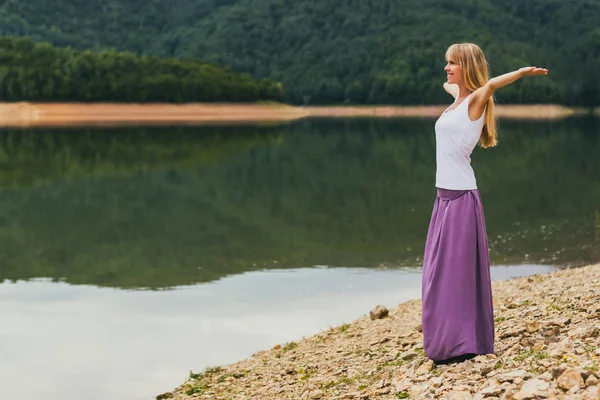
[{"x": 532, "y": 71}]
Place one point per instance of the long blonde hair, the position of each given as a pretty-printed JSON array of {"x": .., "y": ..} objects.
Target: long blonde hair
[{"x": 476, "y": 74}]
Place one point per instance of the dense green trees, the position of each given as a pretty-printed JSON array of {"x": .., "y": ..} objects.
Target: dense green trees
[
  {"x": 331, "y": 51},
  {"x": 40, "y": 72}
]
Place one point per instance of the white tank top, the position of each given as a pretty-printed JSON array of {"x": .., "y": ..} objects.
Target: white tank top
[{"x": 455, "y": 138}]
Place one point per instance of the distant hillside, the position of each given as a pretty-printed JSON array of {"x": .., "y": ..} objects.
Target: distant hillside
[
  {"x": 40, "y": 72},
  {"x": 331, "y": 51}
]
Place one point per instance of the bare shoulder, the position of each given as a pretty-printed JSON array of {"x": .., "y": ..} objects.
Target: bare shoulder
[
  {"x": 451, "y": 88},
  {"x": 477, "y": 103}
]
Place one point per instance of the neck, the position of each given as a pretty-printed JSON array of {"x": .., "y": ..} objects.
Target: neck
[{"x": 463, "y": 91}]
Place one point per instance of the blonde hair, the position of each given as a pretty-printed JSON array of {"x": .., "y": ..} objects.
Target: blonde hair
[{"x": 475, "y": 74}]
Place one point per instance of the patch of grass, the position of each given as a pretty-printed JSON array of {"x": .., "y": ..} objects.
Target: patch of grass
[
  {"x": 238, "y": 375},
  {"x": 500, "y": 319},
  {"x": 346, "y": 380},
  {"x": 344, "y": 328},
  {"x": 531, "y": 353},
  {"x": 206, "y": 372},
  {"x": 289, "y": 346},
  {"x": 198, "y": 388},
  {"x": 403, "y": 395},
  {"x": 395, "y": 363},
  {"x": 554, "y": 306},
  {"x": 305, "y": 373},
  {"x": 498, "y": 364}
]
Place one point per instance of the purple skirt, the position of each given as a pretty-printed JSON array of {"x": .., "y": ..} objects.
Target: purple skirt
[{"x": 458, "y": 315}]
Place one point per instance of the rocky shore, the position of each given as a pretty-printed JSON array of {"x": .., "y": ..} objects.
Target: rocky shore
[{"x": 547, "y": 346}]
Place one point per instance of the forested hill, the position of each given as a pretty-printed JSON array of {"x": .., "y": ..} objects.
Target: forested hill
[
  {"x": 32, "y": 71},
  {"x": 331, "y": 51}
]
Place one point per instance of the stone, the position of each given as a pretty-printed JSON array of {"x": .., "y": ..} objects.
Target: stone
[
  {"x": 591, "y": 381},
  {"x": 550, "y": 331},
  {"x": 379, "y": 312},
  {"x": 425, "y": 368},
  {"x": 418, "y": 390},
  {"x": 532, "y": 389},
  {"x": 585, "y": 332},
  {"x": 512, "y": 332},
  {"x": 409, "y": 355},
  {"x": 317, "y": 394},
  {"x": 557, "y": 371},
  {"x": 546, "y": 376},
  {"x": 592, "y": 393},
  {"x": 512, "y": 375},
  {"x": 532, "y": 327},
  {"x": 492, "y": 388},
  {"x": 459, "y": 395},
  {"x": 569, "y": 379}
]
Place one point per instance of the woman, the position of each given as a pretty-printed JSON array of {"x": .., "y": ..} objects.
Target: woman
[{"x": 458, "y": 318}]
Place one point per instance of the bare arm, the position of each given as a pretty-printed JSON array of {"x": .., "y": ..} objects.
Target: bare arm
[
  {"x": 481, "y": 95},
  {"x": 451, "y": 88}
]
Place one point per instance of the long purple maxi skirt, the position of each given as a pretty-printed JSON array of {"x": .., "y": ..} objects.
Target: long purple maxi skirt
[{"x": 458, "y": 315}]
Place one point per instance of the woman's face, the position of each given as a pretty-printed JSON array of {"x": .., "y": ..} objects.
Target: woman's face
[{"x": 453, "y": 72}]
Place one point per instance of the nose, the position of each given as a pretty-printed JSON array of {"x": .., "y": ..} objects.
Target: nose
[{"x": 447, "y": 67}]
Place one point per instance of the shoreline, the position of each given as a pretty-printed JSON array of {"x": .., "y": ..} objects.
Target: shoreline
[
  {"x": 26, "y": 114},
  {"x": 547, "y": 346}
]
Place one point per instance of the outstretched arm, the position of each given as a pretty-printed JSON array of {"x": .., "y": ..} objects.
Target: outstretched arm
[
  {"x": 481, "y": 95},
  {"x": 451, "y": 88}
]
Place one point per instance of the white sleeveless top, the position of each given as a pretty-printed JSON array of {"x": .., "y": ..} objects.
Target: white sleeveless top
[{"x": 456, "y": 136}]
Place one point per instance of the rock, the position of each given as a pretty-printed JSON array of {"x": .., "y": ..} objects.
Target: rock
[
  {"x": 591, "y": 381},
  {"x": 532, "y": 327},
  {"x": 492, "y": 388},
  {"x": 546, "y": 376},
  {"x": 419, "y": 328},
  {"x": 401, "y": 385},
  {"x": 459, "y": 395},
  {"x": 379, "y": 312},
  {"x": 512, "y": 332},
  {"x": 557, "y": 371},
  {"x": 585, "y": 332},
  {"x": 512, "y": 375},
  {"x": 408, "y": 355},
  {"x": 417, "y": 390},
  {"x": 550, "y": 331},
  {"x": 532, "y": 389},
  {"x": 351, "y": 395},
  {"x": 436, "y": 382},
  {"x": 317, "y": 394},
  {"x": 569, "y": 379},
  {"x": 593, "y": 392},
  {"x": 486, "y": 369},
  {"x": 425, "y": 368},
  {"x": 167, "y": 395}
]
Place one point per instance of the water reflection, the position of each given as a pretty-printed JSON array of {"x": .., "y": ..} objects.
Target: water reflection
[
  {"x": 162, "y": 207},
  {"x": 61, "y": 341}
]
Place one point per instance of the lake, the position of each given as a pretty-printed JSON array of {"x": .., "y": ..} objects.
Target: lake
[{"x": 133, "y": 255}]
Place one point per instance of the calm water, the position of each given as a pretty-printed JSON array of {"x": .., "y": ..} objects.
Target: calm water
[{"x": 133, "y": 255}]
